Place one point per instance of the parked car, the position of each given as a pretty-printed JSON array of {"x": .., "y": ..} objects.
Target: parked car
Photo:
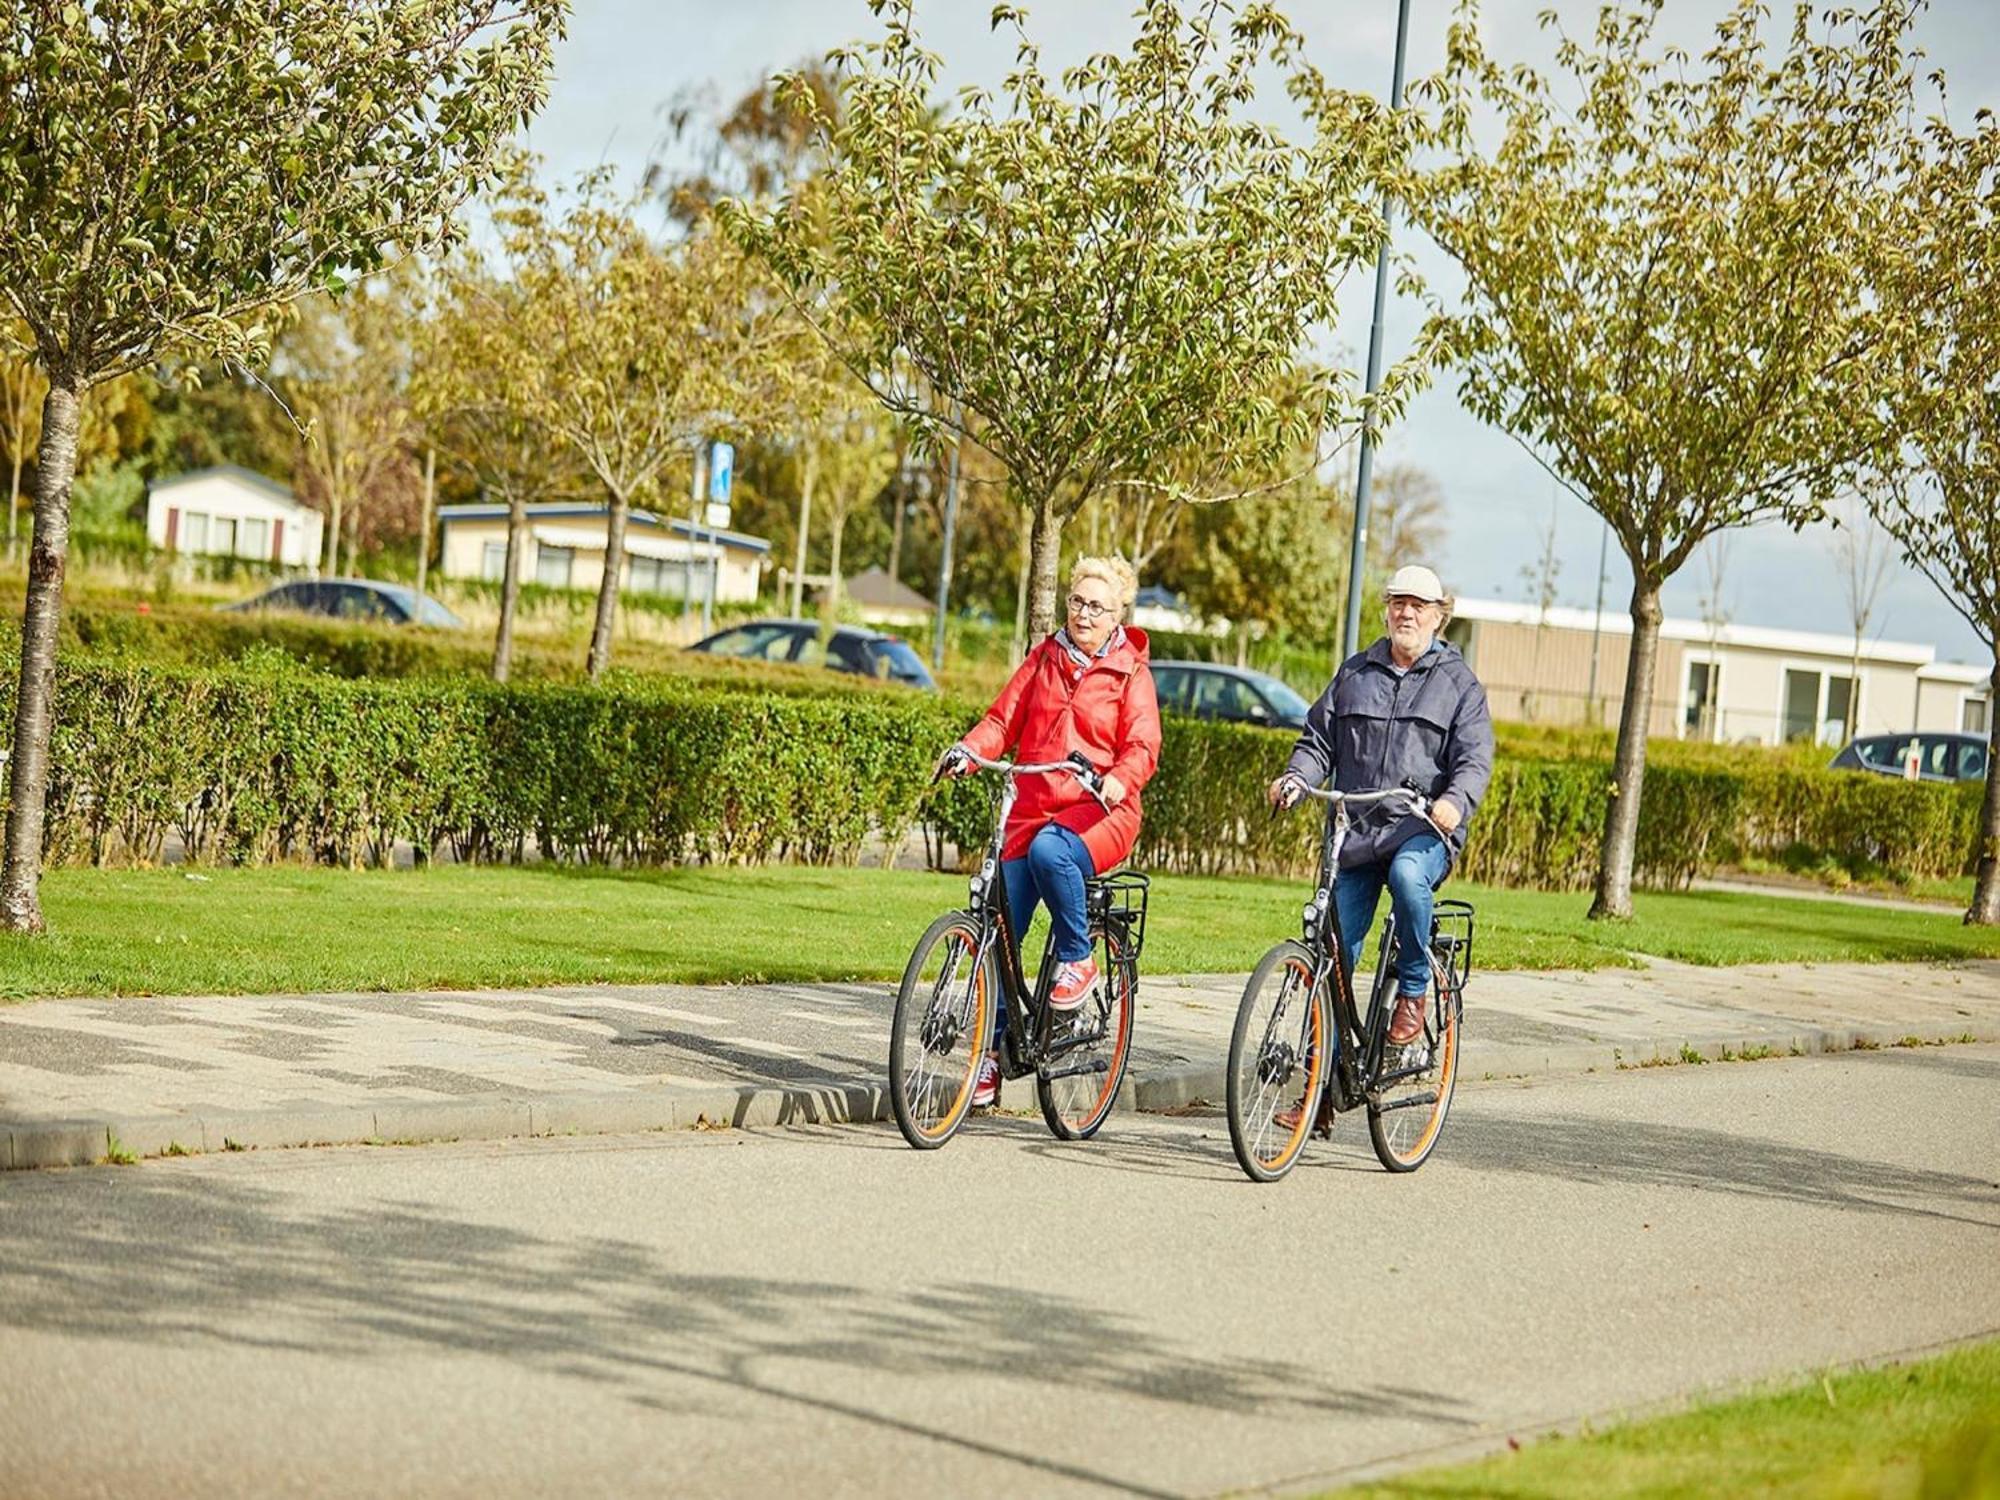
[
  {"x": 1940, "y": 757},
  {"x": 869, "y": 653},
  {"x": 354, "y": 599},
  {"x": 1207, "y": 690}
]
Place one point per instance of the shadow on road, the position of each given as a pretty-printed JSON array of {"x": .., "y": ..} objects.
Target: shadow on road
[
  {"x": 1715, "y": 1161},
  {"x": 208, "y": 1258}
]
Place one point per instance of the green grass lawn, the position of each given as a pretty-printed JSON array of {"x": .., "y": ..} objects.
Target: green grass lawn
[
  {"x": 251, "y": 931},
  {"x": 1929, "y": 1429}
]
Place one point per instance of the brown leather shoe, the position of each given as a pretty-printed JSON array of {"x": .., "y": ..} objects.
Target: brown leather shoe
[
  {"x": 1288, "y": 1119},
  {"x": 1407, "y": 1024}
]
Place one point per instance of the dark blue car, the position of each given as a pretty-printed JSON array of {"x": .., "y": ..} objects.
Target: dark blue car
[
  {"x": 355, "y": 599},
  {"x": 869, "y": 653}
]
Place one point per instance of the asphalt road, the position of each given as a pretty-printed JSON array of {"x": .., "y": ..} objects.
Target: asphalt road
[{"x": 749, "y": 1313}]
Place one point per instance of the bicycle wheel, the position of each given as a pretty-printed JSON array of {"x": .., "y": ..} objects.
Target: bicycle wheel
[
  {"x": 1406, "y": 1115},
  {"x": 944, "y": 1013},
  {"x": 1079, "y": 1082},
  {"x": 1278, "y": 1058}
]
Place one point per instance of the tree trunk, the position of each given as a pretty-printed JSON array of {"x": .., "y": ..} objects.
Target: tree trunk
[
  {"x": 510, "y": 586},
  {"x": 896, "y": 538},
  {"x": 1628, "y": 777},
  {"x": 607, "y": 588},
  {"x": 1017, "y": 648},
  {"x": 332, "y": 563},
  {"x": 1854, "y": 692},
  {"x": 805, "y": 529},
  {"x": 424, "y": 524},
  {"x": 1985, "y": 909},
  {"x": 1044, "y": 569},
  {"x": 34, "y": 701},
  {"x": 1243, "y": 645},
  {"x": 14, "y": 502},
  {"x": 830, "y": 607}
]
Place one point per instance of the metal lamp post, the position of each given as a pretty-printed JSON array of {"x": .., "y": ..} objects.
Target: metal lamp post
[{"x": 1357, "y": 564}]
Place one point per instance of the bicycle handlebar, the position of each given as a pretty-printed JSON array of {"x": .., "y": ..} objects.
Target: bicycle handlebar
[
  {"x": 1327, "y": 794},
  {"x": 1419, "y": 805},
  {"x": 1091, "y": 778}
]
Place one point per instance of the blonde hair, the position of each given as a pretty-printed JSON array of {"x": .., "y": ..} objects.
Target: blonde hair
[{"x": 1117, "y": 572}]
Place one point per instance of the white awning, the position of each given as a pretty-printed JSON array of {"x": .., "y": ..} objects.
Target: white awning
[{"x": 637, "y": 543}]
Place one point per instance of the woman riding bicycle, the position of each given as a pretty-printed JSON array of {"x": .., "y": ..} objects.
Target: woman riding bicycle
[{"x": 1084, "y": 690}]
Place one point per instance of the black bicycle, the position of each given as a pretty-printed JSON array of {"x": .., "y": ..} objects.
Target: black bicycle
[
  {"x": 1301, "y": 1052},
  {"x": 967, "y": 960}
]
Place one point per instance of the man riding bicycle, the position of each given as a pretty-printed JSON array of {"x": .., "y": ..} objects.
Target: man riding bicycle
[{"x": 1408, "y": 711}]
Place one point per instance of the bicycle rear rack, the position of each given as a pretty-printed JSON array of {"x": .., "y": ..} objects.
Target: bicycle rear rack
[
  {"x": 1451, "y": 942},
  {"x": 1117, "y": 904}
]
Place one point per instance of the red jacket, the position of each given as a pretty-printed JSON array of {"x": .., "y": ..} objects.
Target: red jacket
[{"x": 1046, "y": 711}]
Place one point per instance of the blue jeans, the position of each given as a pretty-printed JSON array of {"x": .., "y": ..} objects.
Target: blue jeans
[
  {"x": 1412, "y": 874},
  {"x": 1053, "y": 872}
]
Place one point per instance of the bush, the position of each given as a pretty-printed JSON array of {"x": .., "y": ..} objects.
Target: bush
[{"x": 263, "y": 761}]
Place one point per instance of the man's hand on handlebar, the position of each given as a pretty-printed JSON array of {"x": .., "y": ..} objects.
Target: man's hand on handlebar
[
  {"x": 1445, "y": 815},
  {"x": 1284, "y": 793}
]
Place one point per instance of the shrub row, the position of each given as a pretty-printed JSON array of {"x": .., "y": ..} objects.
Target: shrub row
[
  {"x": 265, "y": 762},
  {"x": 248, "y": 766}
]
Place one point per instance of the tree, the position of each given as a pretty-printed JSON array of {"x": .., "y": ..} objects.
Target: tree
[
  {"x": 344, "y": 365},
  {"x": 21, "y": 391},
  {"x": 853, "y": 453},
  {"x": 1269, "y": 561},
  {"x": 464, "y": 387},
  {"x": 172, "y": 170},
  {"x": 1714, "y": 607},
  {"x": 1939, "y": 494},
  {"x": 1667, "y": 297},
  {"x": 1862, "y": 553},
  {"x": 1540, "y": 578},
  {"x": 1100, "y": 274},
  {"x": 1405, "y": 516},
  {"x": 630, "y": 352},
  {"x": 763, "y": 145}
]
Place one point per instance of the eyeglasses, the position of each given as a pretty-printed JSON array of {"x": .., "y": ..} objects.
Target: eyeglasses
[
  {"x": 1408, "y": 602},
  {"x": 1087, "y": 609}
]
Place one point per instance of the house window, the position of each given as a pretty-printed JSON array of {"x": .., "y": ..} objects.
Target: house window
[
  {"x": 648, "y": 575},
  {"x": 493, "y": 562},
  {"x": 1815, "y": 705},
  {"x": 1972, "y": 715},
  {"x": 1703, "y": 684},
  {"x": 222, "y": 536},
  {"x": 254, "y": 537},
  {"x": 194, "y": 532},
  {"x": 552, "y": 565}
]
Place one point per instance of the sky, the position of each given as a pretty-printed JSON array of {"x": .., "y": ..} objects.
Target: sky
[{"x": 624, "y": 61}]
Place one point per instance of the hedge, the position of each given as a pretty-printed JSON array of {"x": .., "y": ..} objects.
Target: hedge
[{"x": 263, "y": 762}]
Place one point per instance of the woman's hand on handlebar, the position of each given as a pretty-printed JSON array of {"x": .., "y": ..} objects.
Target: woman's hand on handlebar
[
  {"x": 1111, "y": 790},
  {"x": 955, "y": 762}
]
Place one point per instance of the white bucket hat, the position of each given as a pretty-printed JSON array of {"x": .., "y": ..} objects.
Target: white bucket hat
[{"x": 1415, "y": 581}]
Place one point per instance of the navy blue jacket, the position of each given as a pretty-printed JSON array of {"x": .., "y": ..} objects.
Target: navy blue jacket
[{"x": 1375, "y": 727}]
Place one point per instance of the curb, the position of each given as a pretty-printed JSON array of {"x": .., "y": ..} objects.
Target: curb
[{"x": 29, "y": 1144}]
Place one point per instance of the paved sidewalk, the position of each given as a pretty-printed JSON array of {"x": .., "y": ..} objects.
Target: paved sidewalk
[{"x": 83, "y": 1078}]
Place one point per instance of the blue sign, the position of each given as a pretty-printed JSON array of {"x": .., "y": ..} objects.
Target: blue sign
[{"x": 721, "y": 469}]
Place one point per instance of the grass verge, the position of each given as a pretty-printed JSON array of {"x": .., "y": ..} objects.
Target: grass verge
[
  {"x": 286, "y": 929},
  {"x": 1928, "y": 1429}
]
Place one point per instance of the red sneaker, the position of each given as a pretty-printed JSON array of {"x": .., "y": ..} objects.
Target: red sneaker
[
  {"x": 986, "y": 1087},
  {"x": 1073, "y": 982}
]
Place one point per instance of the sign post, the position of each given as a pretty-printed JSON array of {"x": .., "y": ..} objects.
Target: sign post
[{"x": 721, "y": 473}]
